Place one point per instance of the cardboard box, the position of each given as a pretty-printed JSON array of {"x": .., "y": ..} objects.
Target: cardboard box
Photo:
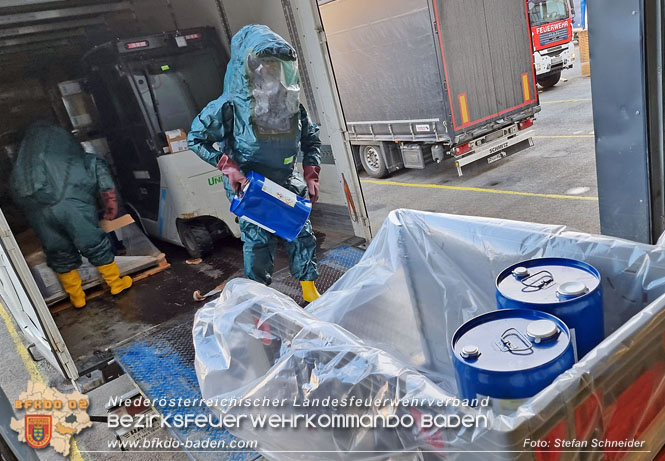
[
  {"x": 177, "y": 140},
  {"x": 583, "y": 39},
  {"x": 110, "y": 226},
  {"x": 79, "y": 105}
]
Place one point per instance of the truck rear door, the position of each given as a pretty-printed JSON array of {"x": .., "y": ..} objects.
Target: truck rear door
[
  {"x": 20, "y": 295},
  {"x": 487, "y": 59}
]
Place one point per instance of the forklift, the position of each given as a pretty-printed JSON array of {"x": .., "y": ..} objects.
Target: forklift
[{"x": 147, "y": 90}]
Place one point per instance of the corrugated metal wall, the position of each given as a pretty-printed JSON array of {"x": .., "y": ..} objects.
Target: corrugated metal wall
[{"x": 156, "y": 16}]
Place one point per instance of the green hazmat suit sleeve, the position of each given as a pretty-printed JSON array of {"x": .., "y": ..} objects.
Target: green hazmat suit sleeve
[
  {"x": 100, "y": 169},
  {"x": 209, "y": 127},
  {"x": 310, "y": 144}
]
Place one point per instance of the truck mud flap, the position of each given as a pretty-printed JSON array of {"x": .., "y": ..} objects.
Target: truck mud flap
[{"x": 495, "y": 151}]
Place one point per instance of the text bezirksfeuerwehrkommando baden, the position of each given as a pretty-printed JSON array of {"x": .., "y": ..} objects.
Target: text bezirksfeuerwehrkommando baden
[{"x": 295, "y": 421}]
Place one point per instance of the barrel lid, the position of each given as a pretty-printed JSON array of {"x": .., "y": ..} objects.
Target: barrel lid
[
  {"x": 510, "y": 340},
  {"x": 542, "y": 330},
  {"x": 547, "y": 280},
  {"x": 470, "y": 352},
  {"x": 520, "y": 271}
]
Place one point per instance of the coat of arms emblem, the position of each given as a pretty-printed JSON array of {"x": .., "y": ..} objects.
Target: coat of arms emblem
[{"x": 38, "y": 430}]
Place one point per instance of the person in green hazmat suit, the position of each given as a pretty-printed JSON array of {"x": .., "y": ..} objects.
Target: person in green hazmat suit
[
  {"x": 57, "y": 184},
  {"x": 259, "y": 125}
]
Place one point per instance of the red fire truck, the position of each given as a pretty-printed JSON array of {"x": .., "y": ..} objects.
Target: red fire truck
[{"x": 552, "y": 34}]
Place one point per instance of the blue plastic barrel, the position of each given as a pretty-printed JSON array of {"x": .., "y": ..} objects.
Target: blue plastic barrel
[
  {"x": 271, "y": 207},
  {"x": 510, "y": 354},
  {"x": 566, "y": 288}
]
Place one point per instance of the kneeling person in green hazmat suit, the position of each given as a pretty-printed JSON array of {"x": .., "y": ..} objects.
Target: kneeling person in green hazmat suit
[
  {"x": 259, "y": 125},
  {"x": 57, "y": 184}
]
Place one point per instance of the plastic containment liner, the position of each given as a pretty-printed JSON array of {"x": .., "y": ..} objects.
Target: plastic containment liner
[
  {"x": 383, "y": 331},
  {"x": 566, "y": 288},
  {"x": 271, "y": 207}
]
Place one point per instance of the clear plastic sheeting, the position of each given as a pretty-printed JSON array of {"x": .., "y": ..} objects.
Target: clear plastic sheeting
[{"x": 383, "y": 332}]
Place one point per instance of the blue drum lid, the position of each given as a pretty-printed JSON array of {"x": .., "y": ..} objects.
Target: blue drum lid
[
  {"x": 509, "y": 340},
  {"x": 548, "y": 280}
]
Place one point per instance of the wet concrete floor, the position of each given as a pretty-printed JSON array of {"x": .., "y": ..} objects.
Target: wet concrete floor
[{"x": 160, "y": 301}]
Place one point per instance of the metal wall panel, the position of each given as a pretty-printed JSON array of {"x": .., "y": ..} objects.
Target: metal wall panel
[
  {"x": 13, "y": 3},
  {"x": 268, "y": 12},
  {"x": 50, "y": 27},
  {"x": 654, "y": 27},
  {"x": 616, "y": 44},
  {"x": 153, "y": 16},
  {"x": 62, "y": 13}
]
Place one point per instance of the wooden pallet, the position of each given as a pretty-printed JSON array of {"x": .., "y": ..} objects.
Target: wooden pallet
[{"x": 162, "y": 265}]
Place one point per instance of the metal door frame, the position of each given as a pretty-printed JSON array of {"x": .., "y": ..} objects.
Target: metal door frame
[
  {"x": 316, "y": 57},
  {"x": 45, "y": 336},
  {"x": 626, "y": 45}
]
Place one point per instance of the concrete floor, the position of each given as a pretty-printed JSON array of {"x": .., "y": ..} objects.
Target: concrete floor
[
  {"x": 162, "y": 299},
  {"x": 561, "y": 162}
]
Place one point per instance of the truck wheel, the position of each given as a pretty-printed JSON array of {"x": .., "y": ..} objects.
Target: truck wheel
[
  {"x": 373, "y": 164},
  {"x": 195, "y": 237},
  {"x": 549, "y": 80}
]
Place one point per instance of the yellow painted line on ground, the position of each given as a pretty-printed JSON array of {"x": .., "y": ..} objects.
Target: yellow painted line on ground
[
  {"x": 33, "y": 371},
  {"x": 75, "y": 452},
  {"x": 565, "y": 100},
  {"x": 478, "y": 189},
  {"x": 554, "y": 136},
  {"x": 30, "y": 366}
]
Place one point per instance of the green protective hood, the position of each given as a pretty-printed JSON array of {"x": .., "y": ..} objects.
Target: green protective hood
[
  {"x": 52, "y": 166},
  {"x": 269, "y": 154},
  {"x": 262, "y": 42}
]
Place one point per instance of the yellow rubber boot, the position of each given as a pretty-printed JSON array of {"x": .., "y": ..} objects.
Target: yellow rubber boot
[
  {"x": 71, "y": 282},
  {"x": 309, "y": 291},
  {"x": 111, "y": 275}
]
